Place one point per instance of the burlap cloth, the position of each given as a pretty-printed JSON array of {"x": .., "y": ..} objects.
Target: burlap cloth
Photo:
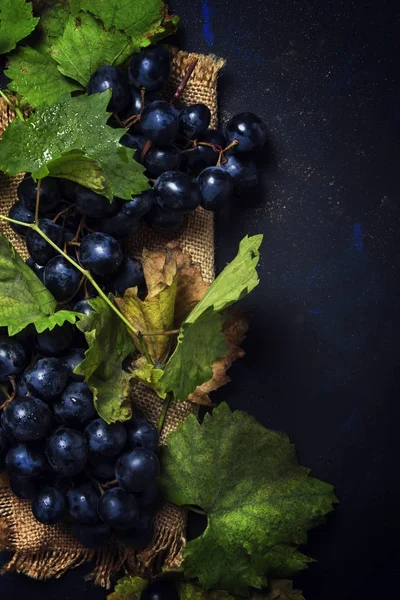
[{"x": 40, "y": 551}]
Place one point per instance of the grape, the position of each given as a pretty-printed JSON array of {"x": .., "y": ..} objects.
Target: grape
[
  {"x": 109, "y": 78},
  {"x": 164, "y": 221},
  {"x": 49, "y": 194},
  {"x": 118, "y": 509},
  {"x": 13, "y": 358},
  {"x": 20, "y": 384},
  {"x": 119, "y": 225},
  {"x": 137, "y": 142},
  {"x": 75, "y": 407},
  {"x": 161, "y": 159},
  {"x": 37, "y": 269},
  {"x": 128, "y": 275},
  {"x": 83, "y": 307},
  {"x": 104, "y": 439},
  {"x": 100, "y": 253},
  {"x": 160, "y": 590},
  {"x": 142, "y": 434},
  {"x": 91, "y": 204},
  {"x": 150, "y": 68},
  {"x": 92, "y": 536},
  {"x": 67, "y": 189},
  {"x": 216, "y": 187},
  {"x": 82, "y": 503},
  {"x": 148, "y": 497},
  {"x": 248, "y": 130},
  {"x": 26, "y": 460},
  {"x": 4, "y": 445},
  {"x": 139, "y": 537},
  {"x": 53, "y": 342},
  {"x": 23, "y": 487},
  {"x": 46, "y": 378},
  {"x": 67, "y": 452},
  {"x": 194, "y": 120},
  {"x": 176, "y": 191},
  {"x": 27, "y": 419},
  {"x": 205, "y": 156},
  {"x": 73, "y": 357},
  {"x": 102, "y": 468},
  {"x": 49, "y": 505},
  {"x": 140, "y": 205},
  {"x": 20, "y": 212},
  {"x": 213, "y": 136},
  {"x": 137, "y": 470},
  {"x": 38, "y": 248},
  {"x": 61, "y": 278},
  {"x": 159, "y": 122},
  {"x": 243, "y": 172}
]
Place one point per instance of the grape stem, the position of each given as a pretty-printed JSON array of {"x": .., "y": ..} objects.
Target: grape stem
[
  {"x": 13, "y": 394},
  {"x": 151, "y": 333},
  {"x": 195, "y": 509},
  {"x": 39, "y": 183},
  {"x": 164, "y": 410},
  {"x": 12, "y": 106},
  {"x": 182, "y": 85}
]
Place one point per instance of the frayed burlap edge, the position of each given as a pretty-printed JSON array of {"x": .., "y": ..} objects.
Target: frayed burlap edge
[{"x": 44, "y": 552}]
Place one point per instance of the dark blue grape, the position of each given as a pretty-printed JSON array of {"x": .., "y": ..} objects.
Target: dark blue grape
[
  {"x": 40, "y": 251},
  {"x": 49, "y": 194},
  {"x": 53, "y": 342},
  {"x": 101, "y": 468},
  {"x": 243, "y": 172},
  {"x": 100, "y": 253},
  {"x": 37, "y": 269},
  {"x": 67, "y": 452},
  {"x": 23, "y": 487},
  {"x": 140, "y": 205},
  {"x": 13, "y": 358},
  {"x": 91, "y": 204},
  {"x": 213, "y": 136},
  {"x": 26, "y": 460},
  {"x": 160, "y": 590},
  {"x": 202, "y": 156},
  {"x": 73, "y": 357},
  {"x": 46, "y": 378},
  {"x": 61, "y": 278},
  {"x": 159, "y": 123},
  {"x": 20, "y": 384},
  {"x": 92, "y": 536},
  {"x": 164, "y": 221},
  {"x": 118, "y": 509},
  {"x": 27, "y": 419},
  {"x": 162, "y": 158},
  {"x": 176, "y": 191},
  {"x": 48, "y": 506},
  {"x": 134, "y": 141},
  {"x": 248, "y": 130},
  {"x": 104, "y": 439},
  {"x": 137, "y": 470},
  {"x": 119, "y": 225},
  {"x": 4, "y": 446},
  {"x": 128, "y": 275},
  {"x": 149, "y": 496},
  {"x": 75, "y": 406},
  {"x": 216, "y": 187},
  {"x": 67, "y": 189},
  {"x": 150, "y": 68},
  {"x": 82, "y": 503},
  {"x": 142, "y": 434},
  {"x": 20, "y": 212},
  {"x": 194, "y": 120},
  {"x": 109, "y": 78},
  {"x": 139, "y": 537}
]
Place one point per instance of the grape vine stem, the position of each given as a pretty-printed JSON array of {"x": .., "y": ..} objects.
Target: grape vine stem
[
  {"x": 11, "y": 105},
  {"x": 167, "y": 401}
]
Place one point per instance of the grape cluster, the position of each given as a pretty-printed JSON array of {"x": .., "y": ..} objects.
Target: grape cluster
[{"x": 64, "y": 458}]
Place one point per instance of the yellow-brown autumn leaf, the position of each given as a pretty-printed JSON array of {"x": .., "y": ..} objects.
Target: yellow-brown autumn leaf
[{"x": 235, "y": 330}]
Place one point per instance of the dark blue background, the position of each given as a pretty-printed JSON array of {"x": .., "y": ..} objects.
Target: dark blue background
[{"x": 322, "y": 354}]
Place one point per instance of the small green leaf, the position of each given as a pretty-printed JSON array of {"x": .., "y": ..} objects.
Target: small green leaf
[
  {"x": 80, "y": 168},
  {"x": 149, "y": 375},
  {"x": 86, "y": 45},
  {"x": 200, "y": 340},
  {"x": 35, "y": 77},
  {"x": 23, "y": 297},
  {"x": 145, "y": 21},
  {"x": 51, "y": 26},
  {"x": 129, "y": 588},
  {"x": 16, "y": 22},
  {"x": 109, "y": 345},
  {"x": 259, "y": 502},
  {"x": 71, "y": 125}
]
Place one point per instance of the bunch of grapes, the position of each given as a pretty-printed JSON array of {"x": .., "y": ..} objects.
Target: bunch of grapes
[{"x": 60, "y": 455}]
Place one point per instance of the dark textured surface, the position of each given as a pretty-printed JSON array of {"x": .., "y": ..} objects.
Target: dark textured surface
[{"x": 321, "y": 362}]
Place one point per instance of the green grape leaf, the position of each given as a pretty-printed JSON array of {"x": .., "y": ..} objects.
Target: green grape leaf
[
  {"x": 129, "y": 588},
  {"x": 201, "y": 341},
  {"x": 149, "y": 375},
  {"x": 16, "y": 22},
  {"x": 73, "y": 124},
  {"x": 145, "y": 21},
  {"x": 85, "y": 46},
  {"x": 23, "y": 298},
  {"x": 109, "y": 345},
  {"x": 80, "y": 168},
  {"x": 51, "y": 26},
  {"x": 191, "y": 590},
  {"x": 258, "y": 500},
  {"x": 35, "y": 77}
]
